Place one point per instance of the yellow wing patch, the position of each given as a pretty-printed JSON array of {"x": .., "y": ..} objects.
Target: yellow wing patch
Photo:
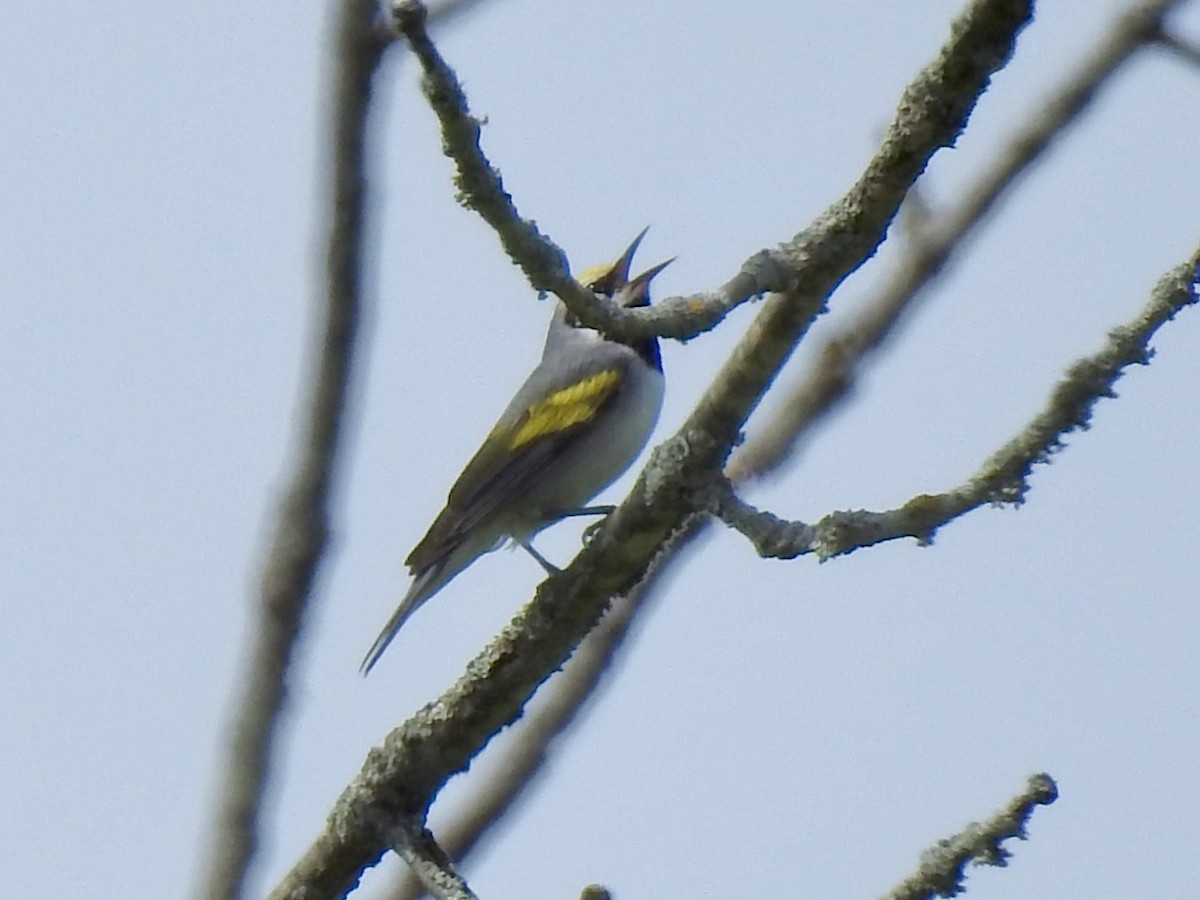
[{"x": 564, "y": 409}]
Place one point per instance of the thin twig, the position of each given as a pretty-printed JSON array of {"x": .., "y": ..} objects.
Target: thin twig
[
  {"x": 1183, "y": 48},
  {"x": 481, "y": 188},
  {"x": 429, "y": 863},
  {"x": 1003, "y": 479},
  {"x": 943, "y": 868},
  {"x": 302, "y": 526},
  {"x": 449, "y": 12},
  {"x": 850, "y": 231},
  {"x": 842, "y": 358}
]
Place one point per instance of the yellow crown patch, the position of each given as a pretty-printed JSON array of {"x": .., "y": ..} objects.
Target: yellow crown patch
[{"x": 589, "y": 278}]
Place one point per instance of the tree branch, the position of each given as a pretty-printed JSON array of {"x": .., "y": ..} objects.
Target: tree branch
[
  {"x": 937, "y": 241},
  {"x": 943, "y": 868},
  {"x": 404, "y": 776},
  {"x": 1180, "y": 46},
  {"x": 932, "y": 112},
  {"x": 544, "y": 263},
  {"x": 830, "y": 381},
  {"x": 302, "y": 526},
  {"x": 557, "y": 707},
  {"x": 1005, "y": 477},
  {"x": 428, "y": 862}
]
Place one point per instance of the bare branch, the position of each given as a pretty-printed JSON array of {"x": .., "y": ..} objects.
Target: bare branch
[
  {"x": 943, "y": 868},
  {"x": 1185, "y": 49},
  {"x": 544, "y": 263},
  {"x": 439, "y": 15},
  {"x": 448, "y": 12},
  {"x": 850, "y": 231},
  {"x": 403, "y": 777},
  {"x": 556, "y": 709},
  {"x": 832, "y": 380},
  {"x": 1005, "y": 477},
  {"x": 428, "y": 862},
  {"x": 842, "y": 358},
  {"x": 303, "y": 519}
]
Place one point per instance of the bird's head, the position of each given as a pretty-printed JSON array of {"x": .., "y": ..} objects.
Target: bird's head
[{"x": 613, "y": 280}]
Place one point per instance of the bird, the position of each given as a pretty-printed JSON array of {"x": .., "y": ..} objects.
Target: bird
[{"x": 578, "y": 422}]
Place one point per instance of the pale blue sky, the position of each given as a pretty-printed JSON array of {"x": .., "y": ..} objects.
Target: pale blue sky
[{"x": 779, "y": 727}]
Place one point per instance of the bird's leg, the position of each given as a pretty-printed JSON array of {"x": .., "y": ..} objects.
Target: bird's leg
[
  {"x": 587, "y": 511},
  {"x": 550, "y": 568},
  {"x": 590, "y": 531}
]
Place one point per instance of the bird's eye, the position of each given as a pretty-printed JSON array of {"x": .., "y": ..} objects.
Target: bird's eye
[{"x": 595, "y": 278}]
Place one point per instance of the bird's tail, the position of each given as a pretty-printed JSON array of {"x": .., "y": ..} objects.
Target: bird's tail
[{"x": 424, "y": 586}]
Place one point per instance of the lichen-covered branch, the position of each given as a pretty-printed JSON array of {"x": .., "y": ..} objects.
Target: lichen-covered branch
[
  {"x": 938, "y": 240},
  {"x": 558, "y": 704},
  {"x": 402, "y": 778},
  {"x": 481, "y": 188},
  {"x": 942, "y": 869},
  {"x": 428, "y": 862},
  {"x": 832, "y": 379},
  {"x": 932, "y": 112},
  {"x": 1003, "y": 479}
]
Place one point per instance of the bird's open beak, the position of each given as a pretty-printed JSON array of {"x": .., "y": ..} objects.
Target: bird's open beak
[
  {"x": 637, "y": 291},
  {"x": 618, "y": 275}
]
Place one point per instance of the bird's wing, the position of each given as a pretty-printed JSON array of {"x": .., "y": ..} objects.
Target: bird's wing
[{"x": 528, "y": 438}]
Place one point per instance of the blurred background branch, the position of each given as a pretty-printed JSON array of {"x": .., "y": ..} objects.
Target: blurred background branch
[
  {"x": 301, "y": 532},
  {"x": 303, "y": 524}
]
